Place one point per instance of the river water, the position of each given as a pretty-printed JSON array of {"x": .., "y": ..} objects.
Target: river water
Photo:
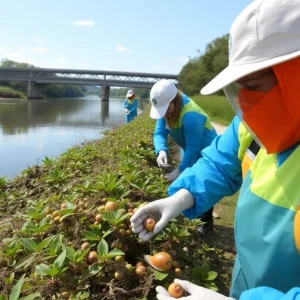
[{"x": 33, "y": 129}]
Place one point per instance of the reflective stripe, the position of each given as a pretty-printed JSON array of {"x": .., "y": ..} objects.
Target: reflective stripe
[{"x": 192, "y": 106}]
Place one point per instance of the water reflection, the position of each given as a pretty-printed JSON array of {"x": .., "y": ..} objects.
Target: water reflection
[{"x": 33, "y": 129}]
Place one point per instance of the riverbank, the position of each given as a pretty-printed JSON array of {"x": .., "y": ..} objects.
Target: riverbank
[{"x": 49, "y": 211}]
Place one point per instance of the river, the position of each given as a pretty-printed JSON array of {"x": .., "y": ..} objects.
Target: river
[{"x": 30, "y": 130}]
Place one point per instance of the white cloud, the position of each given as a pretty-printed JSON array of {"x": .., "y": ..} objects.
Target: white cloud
[
  {"x": 39, "y": 50},
  {"x": 123, "y": 49},
  {"x": 39, "y": 40},
  {"x": 82, "y": 23}
]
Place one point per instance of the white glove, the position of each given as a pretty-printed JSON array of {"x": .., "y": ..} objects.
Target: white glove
[
  {"x": 173, "y": 175},
  {"x": 162, "y": 160},
  {"x": 127, "y": 111},
  {"x": 196, "y": 292},
  {"x": 162, "y": 211}
]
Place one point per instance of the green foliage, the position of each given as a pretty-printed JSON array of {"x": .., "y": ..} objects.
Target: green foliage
[
  {"x": 7, "y": 92},
  {"x": 217, "y": 107},
  {"x": 200, "y": 70},
  {"x": 62, "y": 91}
]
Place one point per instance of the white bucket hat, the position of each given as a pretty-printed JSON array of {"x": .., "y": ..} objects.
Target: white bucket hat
[
  {"x": 266, "y": 33},
  {"x": 161, "y": 94},
  {"x": 129, "y": 94}
]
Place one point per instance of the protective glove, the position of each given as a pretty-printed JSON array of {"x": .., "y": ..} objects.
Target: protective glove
[
  {"x": 162, "y": 160},
  {"x": 127, "y": 111},
  {"x": 162, "y": 211},
  {"x": 196, "y": 292},
  {"x": 173, "y": 175}
]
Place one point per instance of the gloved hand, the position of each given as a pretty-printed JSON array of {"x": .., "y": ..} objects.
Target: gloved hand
[
  {"x": 173, "y": 175},
  {"x": 196, "y": 292},
  {"x": 162, "y": 160},
  {"x": 162, "y": 211},
  {"x": 127, "y": 111}
]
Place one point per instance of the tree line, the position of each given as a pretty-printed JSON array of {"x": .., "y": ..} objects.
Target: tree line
[{"x": 199, "y": 70}]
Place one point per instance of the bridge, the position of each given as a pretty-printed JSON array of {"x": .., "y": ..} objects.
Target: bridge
[{"x": 38, "y": 77}]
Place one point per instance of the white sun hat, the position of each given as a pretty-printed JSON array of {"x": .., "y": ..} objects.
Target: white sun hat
[
  {"x": 266, "y": 33},
  {"x": 161, "y": 94},
  {"x": 129, "y": 94}
]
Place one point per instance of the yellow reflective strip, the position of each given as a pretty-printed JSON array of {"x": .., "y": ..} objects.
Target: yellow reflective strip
[
  {"x": 245, "y": 140},
  {"x": 279, "y": 186},
  {"x": 297, "y": 228},
  {"x": 192, "y": 106}
]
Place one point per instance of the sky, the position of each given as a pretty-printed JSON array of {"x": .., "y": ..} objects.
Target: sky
[{"x": 155, "y": 36}]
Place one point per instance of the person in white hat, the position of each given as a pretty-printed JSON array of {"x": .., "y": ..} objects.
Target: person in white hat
[
  {"x": 188, "y": 125},
  {"x": 258, "y": 154},
  {"x": 130, "y": 105}
]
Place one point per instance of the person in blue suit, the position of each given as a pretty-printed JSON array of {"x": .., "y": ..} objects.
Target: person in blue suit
[
  {"x": 188, "y": 125},
  {"x": 261, "y": 82},
  {"x": 130, "y": 105}
]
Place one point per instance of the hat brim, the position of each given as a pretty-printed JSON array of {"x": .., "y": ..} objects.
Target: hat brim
[
  {"x": 129, "y": 95},
  {"x": 158, "y": 113},
  {"x": 234, "y": 72}
]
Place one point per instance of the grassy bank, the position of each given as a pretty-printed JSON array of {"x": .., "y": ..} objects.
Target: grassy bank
[
  {"x": 7, "y": 92},
  {"x": 64, "y": 226},
  {"x": 217, "y": 107}
]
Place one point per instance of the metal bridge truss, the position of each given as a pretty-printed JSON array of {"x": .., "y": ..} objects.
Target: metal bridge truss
[{"x": 89, "y": 77}]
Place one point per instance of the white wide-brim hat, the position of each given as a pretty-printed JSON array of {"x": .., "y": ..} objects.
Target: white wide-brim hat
[
  {"x": 265, "y": 34},
  {"x": 129, "y": 94}
]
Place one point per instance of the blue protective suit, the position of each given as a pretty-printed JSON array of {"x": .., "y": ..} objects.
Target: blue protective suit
[
  {"x": 132, "y": 107},
  {"x": 267, "y": 293},
  {"x": 267, "y": 219},
  {"x": 192, "y": 132}
]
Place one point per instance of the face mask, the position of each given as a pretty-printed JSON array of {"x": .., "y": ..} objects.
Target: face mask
[{"x": 274, "y": 116}]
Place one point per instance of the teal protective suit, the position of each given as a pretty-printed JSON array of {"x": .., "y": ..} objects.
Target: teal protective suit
[{"x": 267, "y": 220}]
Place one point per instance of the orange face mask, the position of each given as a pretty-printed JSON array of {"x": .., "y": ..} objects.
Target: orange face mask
[{"x": 274, "y": 116}]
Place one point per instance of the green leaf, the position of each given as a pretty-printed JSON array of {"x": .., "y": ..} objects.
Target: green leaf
[
  {"x": 160, "y": 275},
  {"x": 93, "y": 269},
  {"x": 114, "y": 253},
  {"x": 45, "y": 242},
  {"x": 42, "y": 269},
  {"x": 16, "y": 290},
  {"x": 80, "y": 255},
  {"x": 211, "y": 286},
  {"x": 29, "y": 244},
  {"x": 58, "y": 263},
  {"x": 26, "y": 262},
  {"x": 211, "y": 275},
  {"x": 32, "y": 296},
  {"x": 71, "y": 254},
  {"x": 102, "y": 248},
  {"x": 90, "y": 236},
  {"x": 3, "y": 297},
  {"x": 67, "y": 215}
]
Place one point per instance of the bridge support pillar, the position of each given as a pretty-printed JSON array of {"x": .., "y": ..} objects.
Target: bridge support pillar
[
  {"x": 34, "y": 91},
  {"x": 105, "y": 93}
]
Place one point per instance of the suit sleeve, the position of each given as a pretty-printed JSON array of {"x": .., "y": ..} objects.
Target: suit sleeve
[
  {"x": 267, "y": 293},
  {"x": 125, "y": 104},
  {"x": 193, "y": 124},
  {"x": 160, "y": 136},
  {"x": 217, "y": 174}
]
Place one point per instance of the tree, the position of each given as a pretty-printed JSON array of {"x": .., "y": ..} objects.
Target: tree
[{"x": 201, "y": 69}]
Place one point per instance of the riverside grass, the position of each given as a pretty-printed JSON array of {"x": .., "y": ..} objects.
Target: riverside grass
[
  {"x": 217, "y": 107},
  {"x": 123, "y": 162}
]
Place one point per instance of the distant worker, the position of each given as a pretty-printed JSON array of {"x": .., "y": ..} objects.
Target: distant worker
[
  {"x": 190, "y": 128},
  {"x": 130, "y": 104}
]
